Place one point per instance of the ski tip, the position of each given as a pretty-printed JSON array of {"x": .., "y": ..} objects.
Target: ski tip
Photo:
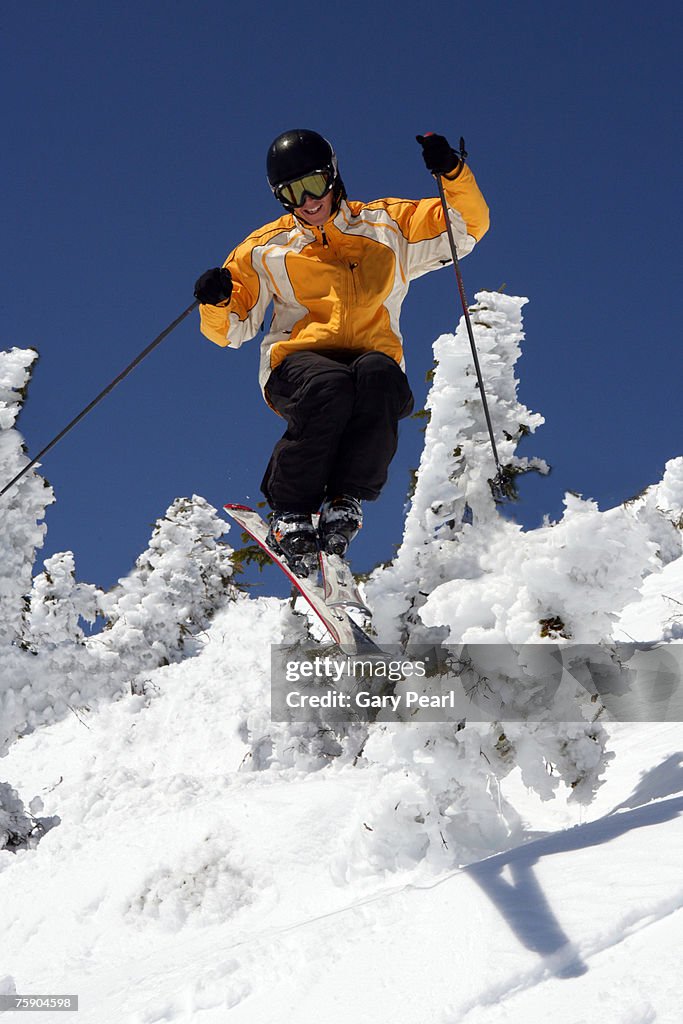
[{"x": 237, "y": 508}]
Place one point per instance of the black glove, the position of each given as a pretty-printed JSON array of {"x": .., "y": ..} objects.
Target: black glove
[
  {"x": 213, "y": 287},
  {"x": 438, "y": 154}
]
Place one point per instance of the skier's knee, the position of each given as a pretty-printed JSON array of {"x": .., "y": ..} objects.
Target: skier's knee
[
  {"x": 332, "y": 392},
  {"x": 380, "y": 379}
]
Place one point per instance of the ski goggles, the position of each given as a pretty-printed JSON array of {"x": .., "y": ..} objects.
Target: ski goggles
[{"x": 316, "y": 184}]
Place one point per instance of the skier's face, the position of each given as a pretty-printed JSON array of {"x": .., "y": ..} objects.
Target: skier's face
[{"x": 315, "y": 211}]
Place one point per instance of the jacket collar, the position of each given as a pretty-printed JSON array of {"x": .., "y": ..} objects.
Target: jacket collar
[{"x": 333, "y": 222}]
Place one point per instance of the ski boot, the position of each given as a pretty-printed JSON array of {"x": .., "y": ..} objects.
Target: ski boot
[
  {"x": 293, "y": 535},
  {"x": 340, "y": 520}
]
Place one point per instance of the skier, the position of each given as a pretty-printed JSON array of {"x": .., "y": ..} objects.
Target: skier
[{"x": 332, "y": 361}]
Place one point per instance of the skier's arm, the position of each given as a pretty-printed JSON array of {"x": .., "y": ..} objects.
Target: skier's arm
[
  {"x": 423, "y": 224},
  {"x": 237, "y": 319},
  {"x": 464, "y": 197},
  {"x": 461, "y": 192}
]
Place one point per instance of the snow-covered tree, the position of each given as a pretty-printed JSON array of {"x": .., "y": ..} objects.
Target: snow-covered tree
[
  {"x": 175, "y": 587},
  {"x": 467, "y": 576},
  {"x": 660, "y": 509},
  {"x": 48, "y": 668},
  {"x": 17, "y": 825},
  {"x": 452, "y": 514},
  {"x": 22, "y": 508},
  {"x": 58, "y": 603}
]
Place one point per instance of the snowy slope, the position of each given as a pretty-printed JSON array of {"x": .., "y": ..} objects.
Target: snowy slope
[
  {"x": 180, "y": 884},
  {"x": 197, "y": 862}
]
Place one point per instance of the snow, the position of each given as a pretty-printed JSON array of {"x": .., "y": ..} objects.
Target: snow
[
  {"x": 181, "y": 885},
  {"x": 173, "y": 855}
]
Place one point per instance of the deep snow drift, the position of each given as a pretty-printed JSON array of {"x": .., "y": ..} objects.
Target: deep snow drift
[{"x": 171, "y": 854}]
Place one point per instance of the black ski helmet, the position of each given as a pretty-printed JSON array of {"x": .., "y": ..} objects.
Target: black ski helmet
[{"x": 298, "y": 152}]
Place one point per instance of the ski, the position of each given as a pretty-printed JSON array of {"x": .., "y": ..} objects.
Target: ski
[
  {"x": 349, "y": 636},
  {"x": 338, "y": 583}
]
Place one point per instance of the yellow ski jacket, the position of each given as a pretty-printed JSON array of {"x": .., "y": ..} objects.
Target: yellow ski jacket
[{"x": 342, "y": 285}]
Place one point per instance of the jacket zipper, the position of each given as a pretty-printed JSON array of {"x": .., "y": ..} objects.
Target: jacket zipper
[{"x": 352, "y": 268}]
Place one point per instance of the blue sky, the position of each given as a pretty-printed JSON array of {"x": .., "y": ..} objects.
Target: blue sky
[{"x": 135, "y": 141}]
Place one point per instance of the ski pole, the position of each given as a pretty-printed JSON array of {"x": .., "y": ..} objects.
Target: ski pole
[
  {"x": 110, "y": 387},
  {"x": 498, "y": 484}
]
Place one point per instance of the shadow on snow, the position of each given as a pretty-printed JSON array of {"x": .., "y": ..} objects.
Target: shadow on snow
[{"x": 521, "y": 900}]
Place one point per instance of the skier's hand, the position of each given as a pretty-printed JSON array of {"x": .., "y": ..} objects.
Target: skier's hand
[
  {"x": 438, "y": 154},
  {"x": 213, "y": 287}
]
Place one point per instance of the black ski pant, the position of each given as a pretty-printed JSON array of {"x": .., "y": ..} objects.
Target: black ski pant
[{"x": 342, "y": 411}]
